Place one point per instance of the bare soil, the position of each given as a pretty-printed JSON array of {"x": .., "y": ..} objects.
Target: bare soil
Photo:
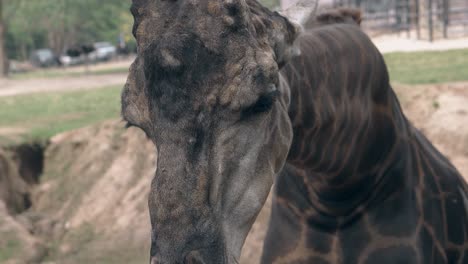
[
  {"x": 400, "y": 43},
  {"x": 9, "y": 87},
  {"x": 441, "y": 113},
  {"x": 79, "y": 80}
]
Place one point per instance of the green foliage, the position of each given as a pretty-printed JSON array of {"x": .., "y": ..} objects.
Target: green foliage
[
  {"x": 428, "y": 67},
  {"x": 10, "y": 246},
  {"x": 58, "y": 24}
]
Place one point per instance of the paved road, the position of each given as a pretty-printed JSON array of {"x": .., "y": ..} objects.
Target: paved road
[
  {"x": 15, "y": 87},
  {"x": 394, "y": 43}
]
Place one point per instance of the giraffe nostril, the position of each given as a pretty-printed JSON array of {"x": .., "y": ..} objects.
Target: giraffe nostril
[
  {"x": 193, "y": 257},
  {"x": 192, "y": 140},
  {"x": 154, "y": 260}
]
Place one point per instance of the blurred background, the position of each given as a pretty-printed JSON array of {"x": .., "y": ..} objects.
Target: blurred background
[{"x": 74, "y": 182}]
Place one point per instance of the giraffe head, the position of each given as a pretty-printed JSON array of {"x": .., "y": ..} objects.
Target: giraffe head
[{"x": 206, "y": 90}]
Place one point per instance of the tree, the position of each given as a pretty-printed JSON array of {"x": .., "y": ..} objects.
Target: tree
[
  {"x": 3, "y": 55},
  {"x": 62, "y": 23}
]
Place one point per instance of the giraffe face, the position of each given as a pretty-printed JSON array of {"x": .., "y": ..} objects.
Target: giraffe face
[{"x": 206, "y": 90}]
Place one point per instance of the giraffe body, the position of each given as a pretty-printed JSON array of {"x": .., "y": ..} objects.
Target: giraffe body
[{"x": 373, "y": 191}]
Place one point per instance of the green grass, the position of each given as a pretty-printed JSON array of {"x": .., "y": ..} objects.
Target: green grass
[
  {"x": 10, "y": 246},
  {"x": 428, "y": 67},
  {"x": 44, "y": 115},
  {"x": 57, "y": 73}
]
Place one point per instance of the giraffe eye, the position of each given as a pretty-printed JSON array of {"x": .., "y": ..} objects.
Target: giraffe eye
[
  {"x": 129, "y": 125},
  {"x": 263, "y": 104}
]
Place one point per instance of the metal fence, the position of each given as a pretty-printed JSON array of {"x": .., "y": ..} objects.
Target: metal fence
[{"x": 426, "y": 19}]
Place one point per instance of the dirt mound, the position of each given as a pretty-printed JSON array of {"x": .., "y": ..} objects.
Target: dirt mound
[
  {"x": 441, "y": 113},
  {"x": 13, "y": 189},
  {"x": 93, "y": 196},
  {"x": 17, "y": 245}
]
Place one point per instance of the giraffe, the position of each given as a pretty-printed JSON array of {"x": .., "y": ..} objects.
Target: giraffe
[
  {"x": 205, "y": 89},
  {"x": 361, "y": 183},
  {"x": 235, "y": 97}
]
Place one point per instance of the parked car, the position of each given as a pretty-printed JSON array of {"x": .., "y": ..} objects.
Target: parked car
[
  {"x": 43, "y": 58},
  {"x": 103, "y": 51},
  {"x": 76, "y": 55},
  {"x": 67, "y": 60}
]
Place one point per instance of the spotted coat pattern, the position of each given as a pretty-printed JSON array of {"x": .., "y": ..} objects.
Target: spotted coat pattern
[{"x": 362, "y": 184}]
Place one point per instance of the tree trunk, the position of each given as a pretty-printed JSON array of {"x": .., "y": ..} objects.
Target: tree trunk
[{"x": 3, "y": 55}]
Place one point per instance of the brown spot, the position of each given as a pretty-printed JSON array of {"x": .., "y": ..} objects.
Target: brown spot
[
  {"x": 212, "y": 99},
  {"x": 229, "y": 21},
  {"x": 233, "y": 69},
  {"x": 228, "y": 95},
  {"x": 169, "y": 59},
  {"x": 214, "y": 8}
]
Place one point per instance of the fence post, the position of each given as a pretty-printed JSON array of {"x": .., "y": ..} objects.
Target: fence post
[
  {"x": 408, "y": 18},
  {"x": 430, "y": 20},
  {"x": 417, "y": 14},
  {"x": 445, "y": 17}
]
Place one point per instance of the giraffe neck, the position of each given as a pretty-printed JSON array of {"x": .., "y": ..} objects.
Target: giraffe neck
[{"x": 349, "y": 131}]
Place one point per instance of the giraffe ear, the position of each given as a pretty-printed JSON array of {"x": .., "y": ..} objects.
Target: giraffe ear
[
  {"x": 301, "y": 11},
  {"x": 340, "y": 15},
  {"x": 284, "y": 38},
  {"x": 289, "y": 28}
]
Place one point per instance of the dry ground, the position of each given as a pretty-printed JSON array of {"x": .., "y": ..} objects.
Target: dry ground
[
  {"x": 441, "y": 112},
  {"x": 66, "y": 79},
  {"x": 394, "y": 43},
  {"x": 10, "y": 87}
]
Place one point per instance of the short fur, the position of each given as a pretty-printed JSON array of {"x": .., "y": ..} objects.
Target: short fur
[
  {"x": 361, "y": 184},
  {"x": 336, "y": 16}
]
